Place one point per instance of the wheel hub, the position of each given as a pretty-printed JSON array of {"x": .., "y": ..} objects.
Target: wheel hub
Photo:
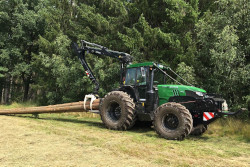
[
  {"x": 114, "y": 111},
  {"x": 170, "y": 121}
]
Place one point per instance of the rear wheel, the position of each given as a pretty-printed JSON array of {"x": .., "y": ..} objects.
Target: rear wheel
[
  {"x": 173, "y": 121},
  {"x": 117, "y": 111},
  {"x": 199, "y": 130}
]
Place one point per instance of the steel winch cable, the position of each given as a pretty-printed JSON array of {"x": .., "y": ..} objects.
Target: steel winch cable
[
  {"x": 168, "y": 75},
  {"x": 180, "y": 77}
]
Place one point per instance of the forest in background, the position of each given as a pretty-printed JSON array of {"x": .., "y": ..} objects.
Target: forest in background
[{"x": 205, "y": 41}]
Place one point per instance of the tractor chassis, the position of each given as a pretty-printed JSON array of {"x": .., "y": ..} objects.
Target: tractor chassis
[{"x": 198, "y": 108}]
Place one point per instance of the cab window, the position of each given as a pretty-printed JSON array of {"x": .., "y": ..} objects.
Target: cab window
[
  {"x": 159, "y": 78},
  {"x": 130, "y": 76}
]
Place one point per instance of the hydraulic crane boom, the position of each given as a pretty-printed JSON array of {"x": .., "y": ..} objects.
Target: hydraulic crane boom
[{"x": 87, "y": 47}]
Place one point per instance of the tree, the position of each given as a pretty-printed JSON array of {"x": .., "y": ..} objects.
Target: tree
[
  {"x": 163, "y": 31},
  {"x": 205, "y": 41},
  {"x": 21, "y": 25},
  {"x": 223, "y": 51}
]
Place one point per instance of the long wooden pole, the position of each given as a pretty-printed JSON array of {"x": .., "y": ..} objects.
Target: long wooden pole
[{"x": 59, "y": 108}]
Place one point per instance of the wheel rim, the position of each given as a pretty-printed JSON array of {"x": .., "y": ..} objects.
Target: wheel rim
[
  {"x": 114, "y": 111},
  {"x": 171, "y": 121}
]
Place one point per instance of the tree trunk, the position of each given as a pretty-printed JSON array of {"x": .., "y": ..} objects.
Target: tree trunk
[
  {"x": 2, "y": 96},
  {"x": 6, "y": 91},
  {"x": 27, "y": 77},
  {"x": 11, "y": 86},
  {"x": 26, "y": 82},
  {"x": 6, "y": 94}
]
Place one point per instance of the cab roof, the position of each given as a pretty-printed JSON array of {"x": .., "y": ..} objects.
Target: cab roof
[{"x": 150, "y": 64}]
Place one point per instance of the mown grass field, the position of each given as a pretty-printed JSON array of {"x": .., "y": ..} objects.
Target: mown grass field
[{"x": 82, "y": 140}]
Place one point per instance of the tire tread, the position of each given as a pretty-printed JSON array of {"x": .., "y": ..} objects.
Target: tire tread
[
  {"x": 184, "y": 113},
  {"x": 130, "y": 110}
]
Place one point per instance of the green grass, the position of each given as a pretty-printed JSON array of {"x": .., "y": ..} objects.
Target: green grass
[
  {"x": 222, "y": 128},
  {"x": 223, "y": 140},
  {"x": 226, "y": 142},
  {"x": 230, "y": 127},
  {"x": 18, "y": 105}
]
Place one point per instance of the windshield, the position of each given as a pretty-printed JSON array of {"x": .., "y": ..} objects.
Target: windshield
[
  {"x": 130, "y": 76},
  {"x": 159, "y": 78},
  {"x": 136, "y": 74}
]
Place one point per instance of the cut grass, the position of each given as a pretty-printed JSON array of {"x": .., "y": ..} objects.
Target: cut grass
[
  {"x": 55, "y": 138},
  {"x": 144, "y": 144}
]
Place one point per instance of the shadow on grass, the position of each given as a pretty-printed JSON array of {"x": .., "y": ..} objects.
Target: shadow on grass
[
  {"x": 77, "y": 121},
  {"x": 140, "y": 127},
  {"x": 203, "y": 138},
  {"x": 70, "y": 120}
]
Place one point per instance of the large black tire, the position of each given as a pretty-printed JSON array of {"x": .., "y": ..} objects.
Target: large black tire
[
  {"x": 198, "y": 130},
  {"x": 132, "y": 123},
  {"x": 117, "y": 111},
  {"x": 173, "y": 121}
]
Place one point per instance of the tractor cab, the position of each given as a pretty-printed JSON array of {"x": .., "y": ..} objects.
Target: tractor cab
[{"x": 156, "y": 82}]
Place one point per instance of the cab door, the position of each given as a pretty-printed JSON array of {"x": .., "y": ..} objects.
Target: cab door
[{"x": 141, "y": 83}]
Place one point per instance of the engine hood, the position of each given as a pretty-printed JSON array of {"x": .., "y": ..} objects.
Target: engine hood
[
  {"x": 167, "y": 91},
  {"x": 182, "y": 88}
]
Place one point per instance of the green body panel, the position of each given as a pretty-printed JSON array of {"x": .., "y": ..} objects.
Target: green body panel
[
  {"x": 167, "y": 91},
  {"x": 141, "y": 64}
]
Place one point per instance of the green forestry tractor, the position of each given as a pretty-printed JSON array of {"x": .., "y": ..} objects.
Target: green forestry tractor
[{"x": 145, "y": 94}]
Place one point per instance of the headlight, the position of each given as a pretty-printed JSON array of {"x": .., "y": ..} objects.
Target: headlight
[
  {"x": 224, "y": 106},
  {"x": 199, "y": 93}
]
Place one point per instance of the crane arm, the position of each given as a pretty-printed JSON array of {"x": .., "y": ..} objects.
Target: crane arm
[
  {"x": 95, "y": 49},
  {"x": 101, "y": 50}
]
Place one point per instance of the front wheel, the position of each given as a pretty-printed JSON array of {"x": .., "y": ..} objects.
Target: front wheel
[
  {"x": 117, "y": 111},
  {"x": 173, "y": 121}
]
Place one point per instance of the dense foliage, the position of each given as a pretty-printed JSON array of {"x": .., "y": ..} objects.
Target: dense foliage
[{"x": 206, "y": 41}]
